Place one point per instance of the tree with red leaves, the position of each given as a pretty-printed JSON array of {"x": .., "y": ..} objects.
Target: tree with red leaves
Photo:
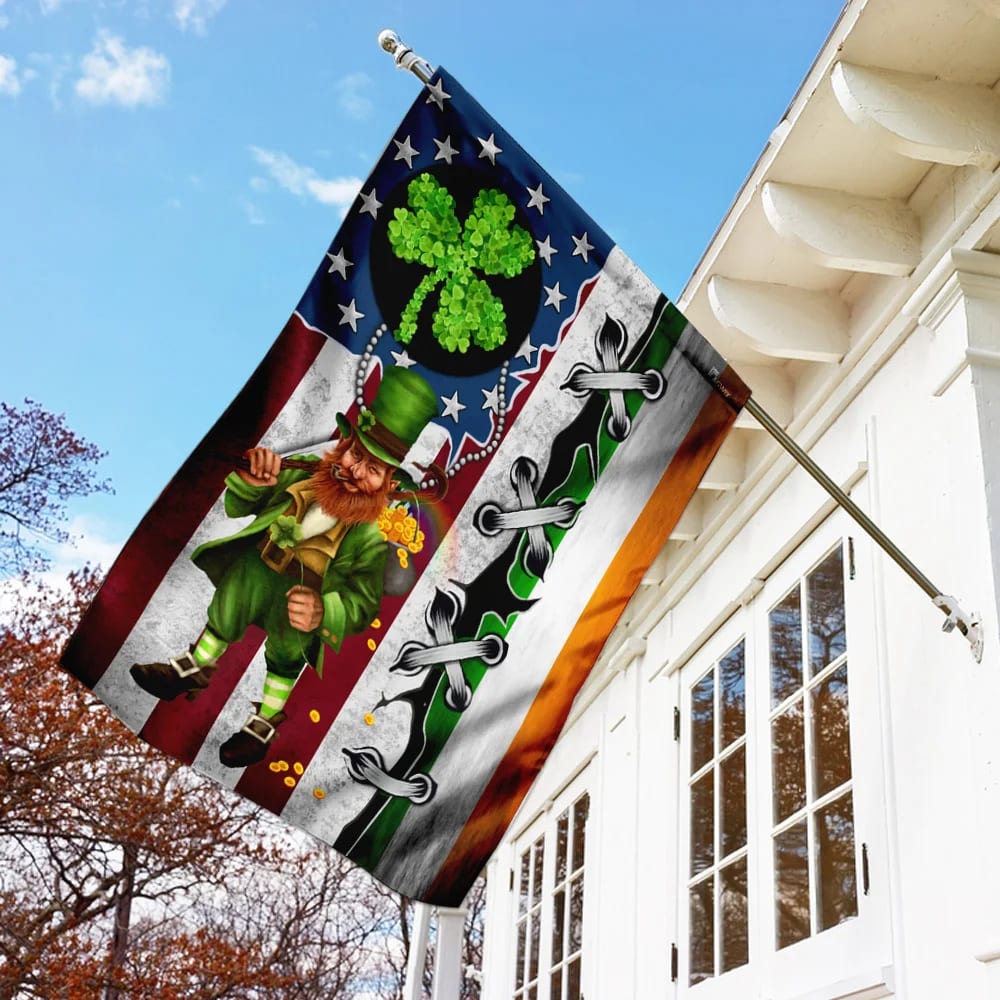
[
  {"x": 43, "y": 465},
  {"x": 122, "y": 872}
]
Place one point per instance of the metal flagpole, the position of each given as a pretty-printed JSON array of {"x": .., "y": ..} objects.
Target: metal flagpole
[{"x": 968, "y": 624}]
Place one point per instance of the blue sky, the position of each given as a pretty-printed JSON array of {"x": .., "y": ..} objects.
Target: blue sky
[{"x": 172, "y": 172}]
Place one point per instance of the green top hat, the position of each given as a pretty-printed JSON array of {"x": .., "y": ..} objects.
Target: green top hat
[{"x": 404, "y": 404}]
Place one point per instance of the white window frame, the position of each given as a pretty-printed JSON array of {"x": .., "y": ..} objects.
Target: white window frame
[
  {"x": 736, "y": 982},
  {"x": 862, "y": 944},
  {"x": 545, "y": 826}
]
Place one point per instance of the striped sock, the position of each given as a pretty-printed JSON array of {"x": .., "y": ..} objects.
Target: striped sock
[
  {"x": 276, "y": 692},
  {"x": 208, "y": 649}
]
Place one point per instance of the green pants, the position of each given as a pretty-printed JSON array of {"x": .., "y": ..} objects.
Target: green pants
[{"x": 251, "y": 593}]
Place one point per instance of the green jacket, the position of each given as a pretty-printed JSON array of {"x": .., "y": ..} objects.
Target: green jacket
[{"x": 351, "y": 561}]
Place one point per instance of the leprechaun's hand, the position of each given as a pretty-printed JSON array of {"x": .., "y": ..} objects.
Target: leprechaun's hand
[
  {"x": 264, "y": 467},
  {"x": 305, "y": 609}
]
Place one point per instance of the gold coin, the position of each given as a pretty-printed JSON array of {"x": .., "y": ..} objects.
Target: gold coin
[
  {"x": 297, "y": 768},
  {"x": 274, "y": 766},
  {"x": 376, "y": 623},
  {"x": 369, "y": 719},
  {"x": 371, "y": 645},
  {"x": 290, "y": 781},
  {"x": 318, "y": 793},
  {"x": 313, "y": 715}
]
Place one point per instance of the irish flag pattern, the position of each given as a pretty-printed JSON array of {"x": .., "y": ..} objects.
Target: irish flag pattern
[{"x": 574, "y": 412}]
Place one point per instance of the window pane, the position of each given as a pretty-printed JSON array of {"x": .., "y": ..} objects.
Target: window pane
[
  {"x": 702, "y": 952},
  {"x": 573, "y": 981},
  {"x": 825, "y": 590},
  {"x": 733, "y": 801},
  {"x": 562, "y": 839},
  {"x": 556, "y": 991},
  {"x": 703, "y": 823},
  {"x": 536, "y": 876},
  {"x": 835, "y": 867},
  {"x": 831, "y": 733},
  {"x": 732, "y": 670},
  {"x": 791, "y": 872},
  {"x": 533, "y": 954},
  {"x": 735, "y": 949},
  {"x": 789, "y": 763},
  {"x": 558, "y": 923},
  {"x": 702, "y": 722},
  {"x": 581, "y": 809},
  {"x": 576, "y": 915},
  {"x": 785, "y": 629},
  {"x": 522, "y": 902},
  {"x": 521, "y": 942}
]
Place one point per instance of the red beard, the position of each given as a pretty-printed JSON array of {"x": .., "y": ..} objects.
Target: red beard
[{"x": 336, "y": 501}]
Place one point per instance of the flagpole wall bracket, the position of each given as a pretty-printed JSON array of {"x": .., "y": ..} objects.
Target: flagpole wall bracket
[
  {"x": 404, "y": 56},
  {"x": 968, "y": 624}
]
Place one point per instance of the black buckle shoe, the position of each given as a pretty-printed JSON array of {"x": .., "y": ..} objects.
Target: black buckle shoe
[
  {"x": 180, "y": 675},
  {"x": 251, "y": 743}
]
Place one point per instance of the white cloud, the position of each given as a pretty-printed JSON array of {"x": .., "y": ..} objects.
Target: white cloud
[
  {"x": 195, "y": 14},
  {"x": 350, "y": 95},
  {"x": 88, "y": 543},
  {"x": 49, "y": 6},
  {"x": 304, "y": 181},
  {"x": 254, "y": 215},
  {"x": 54, "y": 68},
  {"x": 9, "y": 83},
  {"x": 115, "y": 74}
]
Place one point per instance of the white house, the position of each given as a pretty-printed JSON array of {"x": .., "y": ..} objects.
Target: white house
[{"x": 781, "y": 780}]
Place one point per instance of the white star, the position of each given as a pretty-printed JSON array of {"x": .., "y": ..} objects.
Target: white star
[
  {"x": 351, "y": 315},
  {"x": 452, "y": 406},
  {"x": 437, "y": 94},
  {"x": 526, "y": 350},
  {"x": 339, "y": 263},
  {"x": 546, "y": 250},
  {"x": 405, "y": 151},
  {"x": 537, "y": 199},
  {"x": 445, "y": 150},
  {"x": 370, "y": 204},
  {"x": 581, "y": 247},
  {"x": 492, "y": 401},
  {"x": 402, "y": 359},
  {"x": 490, "y": 149},
  {"x": 554, "y": 297}
]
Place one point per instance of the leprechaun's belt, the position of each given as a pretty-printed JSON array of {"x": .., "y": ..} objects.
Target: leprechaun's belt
[{"x": 286, "y": 562}]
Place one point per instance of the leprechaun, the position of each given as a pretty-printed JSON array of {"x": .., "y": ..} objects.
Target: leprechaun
[{"x": 309, "y": 568}]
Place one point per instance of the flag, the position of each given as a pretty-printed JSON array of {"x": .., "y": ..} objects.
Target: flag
[{"x": 540, "y": 415}]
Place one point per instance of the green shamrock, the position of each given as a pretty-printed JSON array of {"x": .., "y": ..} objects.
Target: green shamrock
[
  {"x": 285, "y": 532},
  {"x": 430, "y": 234},
  {"x": 366, "y": 420}
]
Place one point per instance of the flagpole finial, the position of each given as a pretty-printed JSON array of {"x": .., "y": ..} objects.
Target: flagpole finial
[{"x": 404, "y": 56}]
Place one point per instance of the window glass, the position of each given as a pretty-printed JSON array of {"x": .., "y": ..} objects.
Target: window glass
[
  {"x": 529, "y": 921},
  {"x": 717, "y": 888},
  {"x": 565, "y": 897},
  {"x": 813, "y": 820}
]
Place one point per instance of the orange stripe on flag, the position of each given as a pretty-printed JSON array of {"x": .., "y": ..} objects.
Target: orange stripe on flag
[{"x": 517, "y": 770}]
